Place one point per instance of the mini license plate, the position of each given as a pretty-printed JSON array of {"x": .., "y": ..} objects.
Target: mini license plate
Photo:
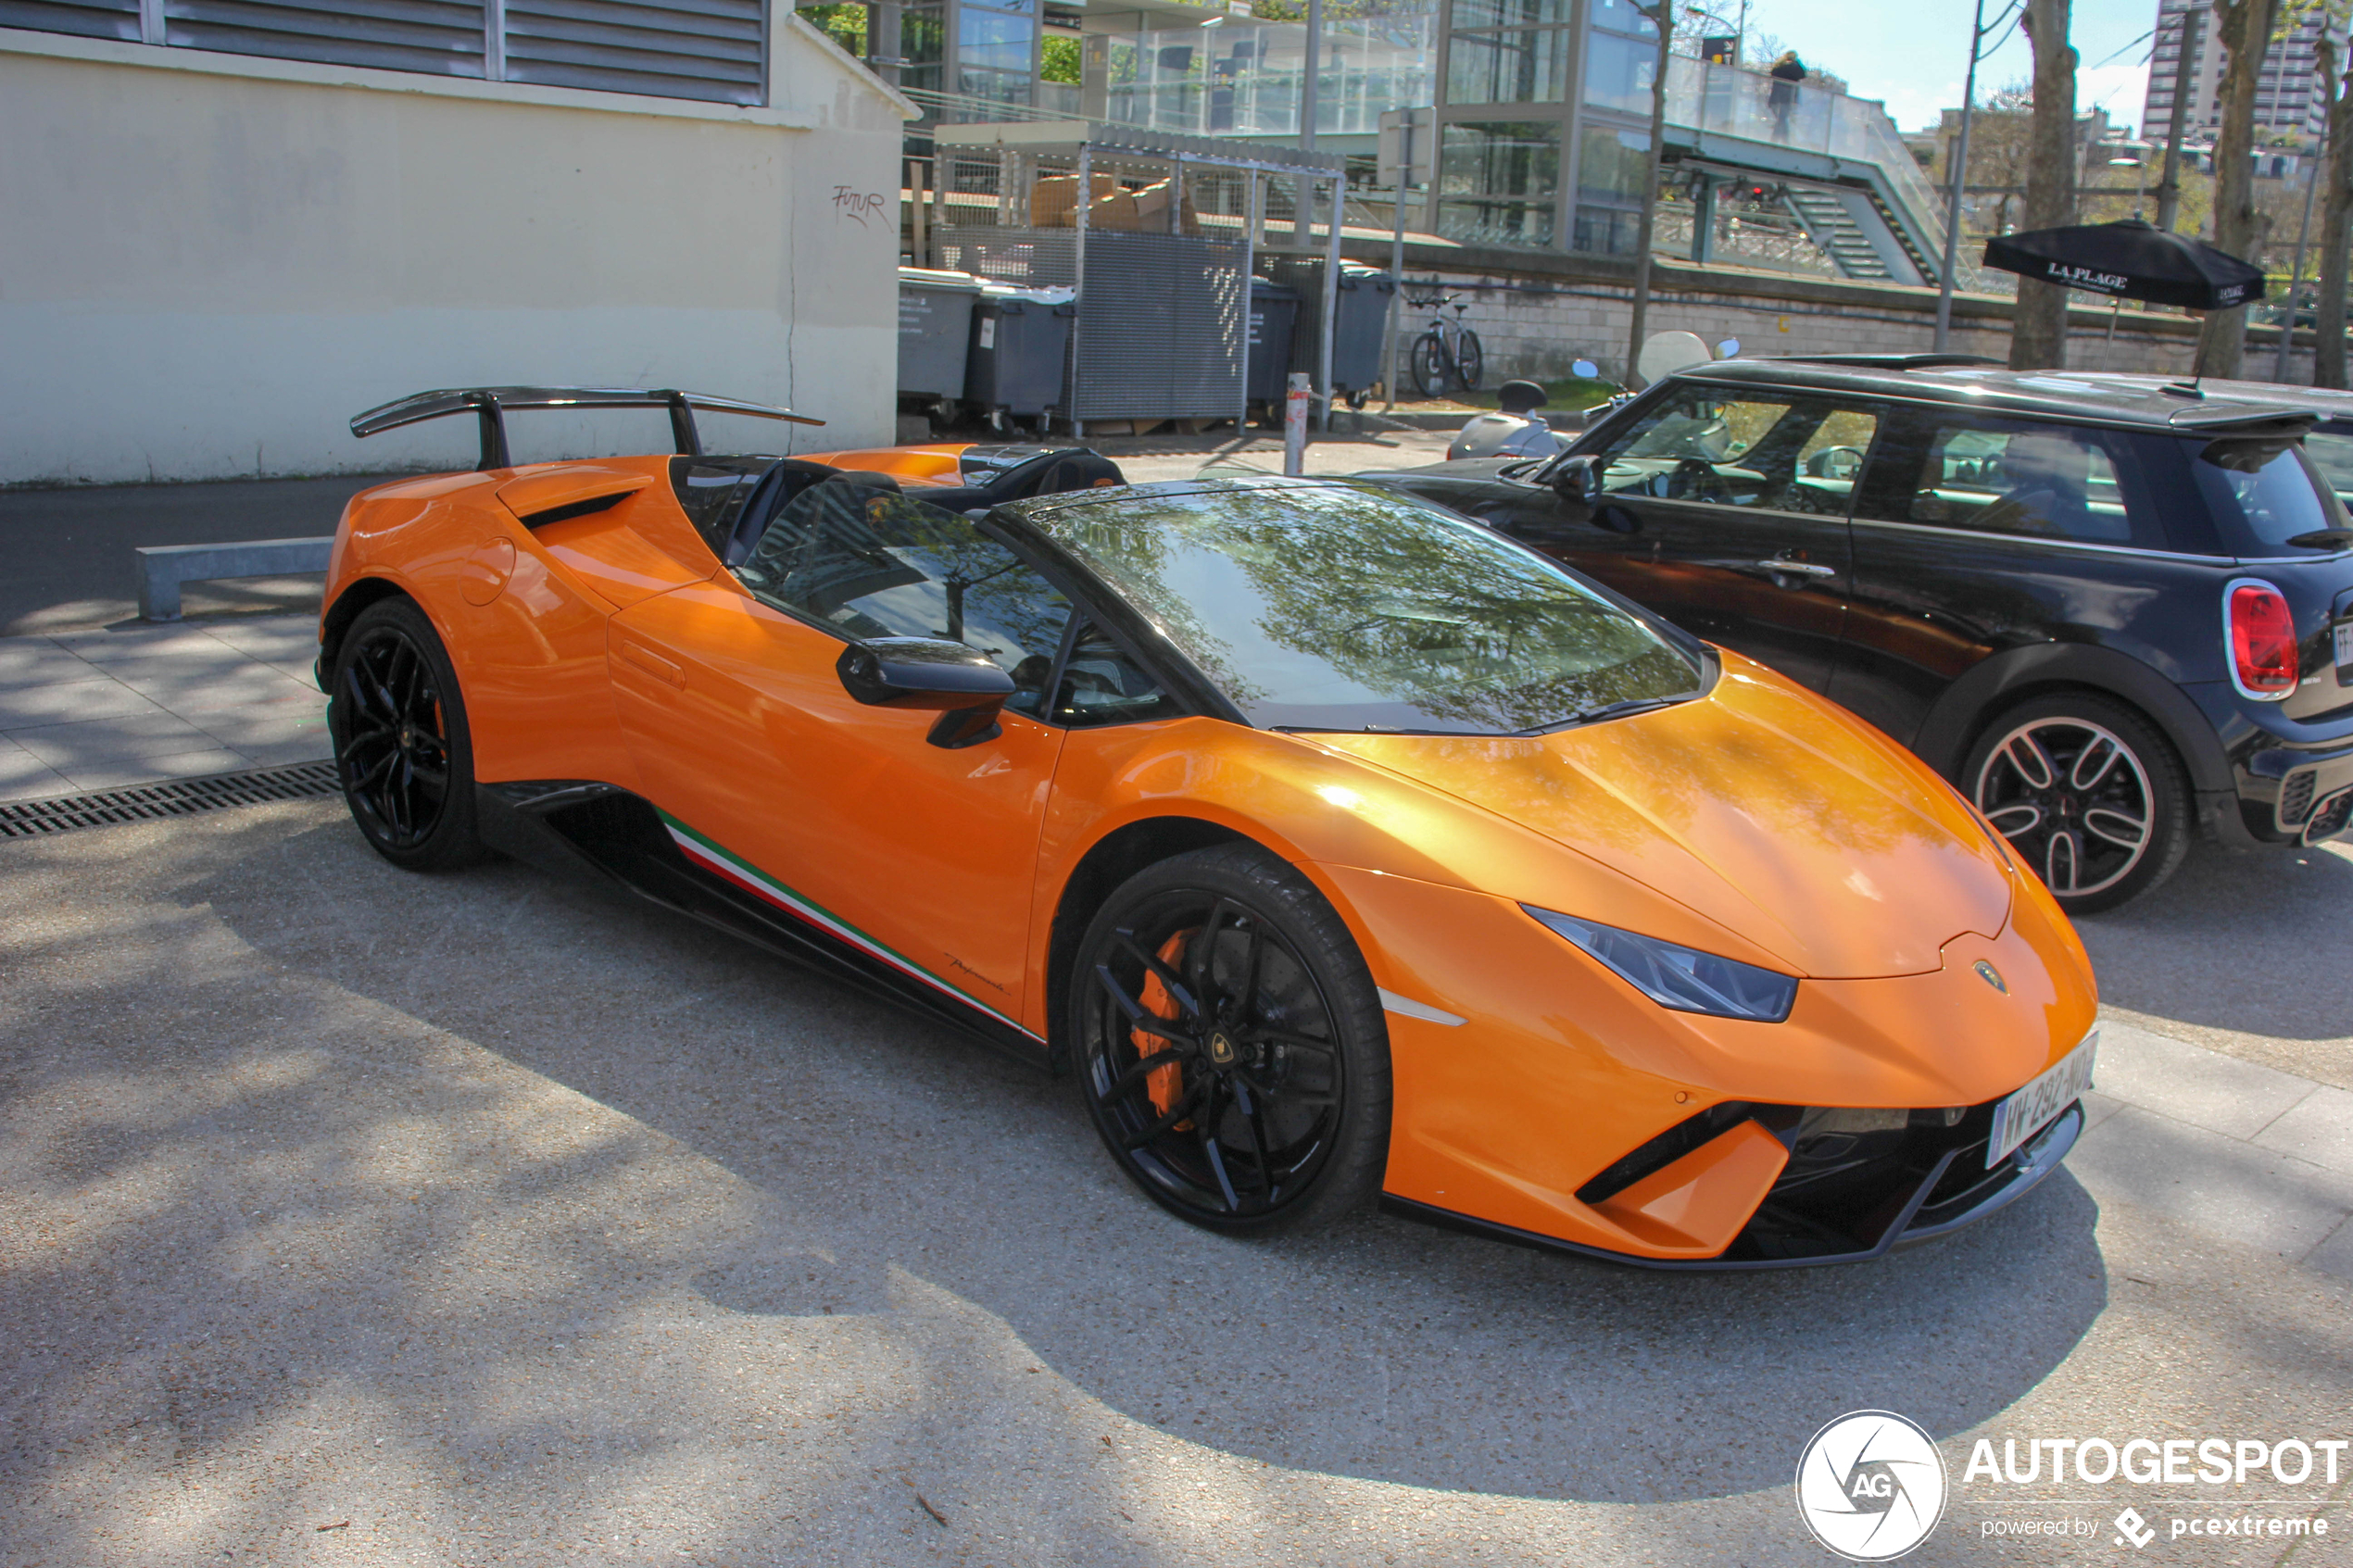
[
  {"x": 2344, "y": 643},
  {"x": 2031, "y": 1109}
]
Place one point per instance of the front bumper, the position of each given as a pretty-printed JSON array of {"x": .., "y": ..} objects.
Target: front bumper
[{"x": 1929, "y": 1183}]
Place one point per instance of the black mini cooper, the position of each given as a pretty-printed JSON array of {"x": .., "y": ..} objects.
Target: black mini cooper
[{"x": 2107, "y": 608}]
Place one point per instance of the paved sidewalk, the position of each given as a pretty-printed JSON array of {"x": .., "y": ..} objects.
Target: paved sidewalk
[
  {"x": 2240, "y": 1150},
  {"x": 89, "y": 711}
]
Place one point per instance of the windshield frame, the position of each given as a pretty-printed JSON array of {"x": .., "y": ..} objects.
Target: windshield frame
[{"x": 1148, "y": 640}]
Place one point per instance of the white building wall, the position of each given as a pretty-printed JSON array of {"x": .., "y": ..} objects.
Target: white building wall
[{"x": 208, "y": 263}]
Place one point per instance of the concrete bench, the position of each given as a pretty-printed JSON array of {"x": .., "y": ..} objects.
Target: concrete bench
[{"x": 163, "y": 568}]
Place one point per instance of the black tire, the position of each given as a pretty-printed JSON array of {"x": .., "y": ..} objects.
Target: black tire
[
  {"x": 403, "y": 752},
  {"x": 2088, "y": 795},
  {"x": 1470, "y": 361},
  {"x": 1271, "y": 1111},
  {"x": 1428, "y": 362}
]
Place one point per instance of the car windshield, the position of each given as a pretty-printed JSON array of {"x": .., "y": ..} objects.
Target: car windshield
[{"x": 1330, "y": 608}]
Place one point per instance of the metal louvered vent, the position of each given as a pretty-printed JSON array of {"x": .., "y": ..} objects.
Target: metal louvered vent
[
  {"x": 1163, "y": 330},
  {"x": 443, "y": 37},
  {"x": 709, "y": 49},
  {"x": 88, "y": 18},
  {"x": 2295, "y": 797},
  {"x": 179, "y": 797}
]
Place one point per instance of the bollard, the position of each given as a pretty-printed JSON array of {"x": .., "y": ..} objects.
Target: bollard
[{"x": 1295, "y": 403}]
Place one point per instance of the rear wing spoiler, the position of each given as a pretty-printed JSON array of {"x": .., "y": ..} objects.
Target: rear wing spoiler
[{"x": 489, "y": 406}]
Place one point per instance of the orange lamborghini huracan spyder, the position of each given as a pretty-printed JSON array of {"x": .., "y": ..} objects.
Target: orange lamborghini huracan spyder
[{"x": 1338, "y": 847}]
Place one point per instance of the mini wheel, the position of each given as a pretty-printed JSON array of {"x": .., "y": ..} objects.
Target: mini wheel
[
  {"x": 2088, "y": 793},
  {"x": 402, "y": 750},
  {"x": 1231, "y": 1044}
]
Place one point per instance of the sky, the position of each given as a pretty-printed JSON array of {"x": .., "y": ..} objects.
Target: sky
[{"x": 1914, "y": 53}]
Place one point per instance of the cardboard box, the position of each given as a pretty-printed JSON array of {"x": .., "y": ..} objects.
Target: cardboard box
[
  {"x": 1152, "y": 210},
  {"x": 1052, "y": 199}
]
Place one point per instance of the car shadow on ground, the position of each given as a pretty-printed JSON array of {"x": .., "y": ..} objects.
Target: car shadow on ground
[
  {"x": 2180, "y": 952},
  {"x": 904, "y": 1170}
]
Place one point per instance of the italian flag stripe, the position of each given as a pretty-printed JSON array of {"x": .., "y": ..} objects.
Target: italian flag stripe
[{"x": 742, "y": 873}]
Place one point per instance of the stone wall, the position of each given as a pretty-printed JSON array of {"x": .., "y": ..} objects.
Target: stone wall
[{"x": 1537, "y": 314}]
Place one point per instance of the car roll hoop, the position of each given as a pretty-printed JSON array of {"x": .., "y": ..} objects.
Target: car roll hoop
[{"x": 489, "y": 406}]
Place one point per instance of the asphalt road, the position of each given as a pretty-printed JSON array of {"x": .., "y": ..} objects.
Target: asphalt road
[
  {"x": 354, "y": 1217},
  {"x": 69, "y": 551}
]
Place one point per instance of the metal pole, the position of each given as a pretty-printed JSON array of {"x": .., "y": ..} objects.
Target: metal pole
[
  {"x": 1250, "y": 269},
  {"x": 1309, "y": 84},
  {"x": 1397, "y": 267},
  {"x": 1295, "y": 400},
  {"x": 1332, "y": 303},
  {"x": 2295, "y": 274},
  {"x": 1078, "y": 283},
  {"x": 2169, "y": 188},
  {"x": 1960, "y": 176}
]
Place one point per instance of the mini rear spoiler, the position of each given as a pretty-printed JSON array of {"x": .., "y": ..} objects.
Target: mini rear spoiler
[
  {"x": 2239, "y": 420},
  {"x": 489, "y": 404}
]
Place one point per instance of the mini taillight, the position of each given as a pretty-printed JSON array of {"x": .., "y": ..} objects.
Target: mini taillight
[{"x": 2262, "y": 638}]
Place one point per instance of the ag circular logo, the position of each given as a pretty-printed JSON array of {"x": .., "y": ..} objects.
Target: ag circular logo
[{"x": 1871, "y": 1485}]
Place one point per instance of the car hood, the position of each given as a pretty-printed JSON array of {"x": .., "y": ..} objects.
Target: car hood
[{"x": 1758, "y": 806}]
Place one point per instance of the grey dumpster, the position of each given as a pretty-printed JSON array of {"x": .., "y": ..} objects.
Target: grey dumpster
[
  {"x": 1273, "y": 309},
  {"x": 935, "y": 333},
  {"x": 1360, "y": 331},
  {"x": 1019, "y": 339}
]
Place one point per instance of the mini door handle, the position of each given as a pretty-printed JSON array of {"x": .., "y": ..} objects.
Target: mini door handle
[{"x": 1798, "y": 568}]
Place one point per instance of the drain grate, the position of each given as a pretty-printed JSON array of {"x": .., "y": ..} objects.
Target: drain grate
[{"x": 179, "y": 797}]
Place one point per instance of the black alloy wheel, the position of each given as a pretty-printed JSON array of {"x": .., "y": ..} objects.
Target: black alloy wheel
[
  {"x": 2087, "y": 795},
  {"x": 1231, "y": 1047},
  {"x": 402, "y": 750}
]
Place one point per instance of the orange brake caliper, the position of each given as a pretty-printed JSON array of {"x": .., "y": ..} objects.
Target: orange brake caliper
[{"x": 1164, "y": 1084}]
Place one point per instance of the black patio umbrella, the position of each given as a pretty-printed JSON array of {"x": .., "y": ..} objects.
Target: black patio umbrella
[{"x": 2129, "y": 261}]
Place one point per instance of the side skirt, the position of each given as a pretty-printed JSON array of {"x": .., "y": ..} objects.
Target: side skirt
[{"x": 603, "y": 834}]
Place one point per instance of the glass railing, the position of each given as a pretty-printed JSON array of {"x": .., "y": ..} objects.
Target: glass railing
[
  {"x": 1734, "y": 102},
  {"x": 1242, "y": 79}
]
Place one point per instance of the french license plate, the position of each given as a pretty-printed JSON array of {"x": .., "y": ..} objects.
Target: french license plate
[
  {"x": 2344, "y": 643},
  {"x": 2031, "y": 1109}
]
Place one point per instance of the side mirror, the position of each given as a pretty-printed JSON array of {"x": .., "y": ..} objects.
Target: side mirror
[
  {"x": 1577, "y": 480},
  {"x": 963, "y": 685}
]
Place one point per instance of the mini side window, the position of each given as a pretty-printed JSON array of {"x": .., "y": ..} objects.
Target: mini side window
[
  {"x": 2015, "y": 477},
  {"x": 1788, "y": 454}
]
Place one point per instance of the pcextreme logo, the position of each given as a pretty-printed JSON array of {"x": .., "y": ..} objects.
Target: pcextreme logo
[{"x": 1871, "y": 1485}]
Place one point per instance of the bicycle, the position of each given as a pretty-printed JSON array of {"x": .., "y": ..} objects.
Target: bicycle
[{"x": 1435, "y": 360}]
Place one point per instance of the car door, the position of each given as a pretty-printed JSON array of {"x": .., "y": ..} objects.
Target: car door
[
  {"x": 847, "y": 816},
  {"x": 1726, "y": 511},
  {"x": 1974, "y": 534}
]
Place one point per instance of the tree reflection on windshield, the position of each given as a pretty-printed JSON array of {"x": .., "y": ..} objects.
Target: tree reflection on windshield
[{"x": 1336, "y": 609}]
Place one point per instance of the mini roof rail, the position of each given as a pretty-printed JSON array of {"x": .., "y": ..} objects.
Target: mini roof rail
[
  {"x": 1894, "y": 361},
  {"x": 489, "y": 404}
]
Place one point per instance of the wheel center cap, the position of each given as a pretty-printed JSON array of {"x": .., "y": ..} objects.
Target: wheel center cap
[{"x": 1221, "y": 1048}]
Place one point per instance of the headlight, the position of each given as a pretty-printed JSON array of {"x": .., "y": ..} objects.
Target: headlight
[{"x": 1682, "y": 978}]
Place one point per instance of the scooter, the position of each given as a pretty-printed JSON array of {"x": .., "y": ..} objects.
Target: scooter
[{"x": 1515, "y": 429}]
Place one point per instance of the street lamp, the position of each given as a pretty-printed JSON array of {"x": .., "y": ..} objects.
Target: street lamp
[{"x": 1960, "y": 169}]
